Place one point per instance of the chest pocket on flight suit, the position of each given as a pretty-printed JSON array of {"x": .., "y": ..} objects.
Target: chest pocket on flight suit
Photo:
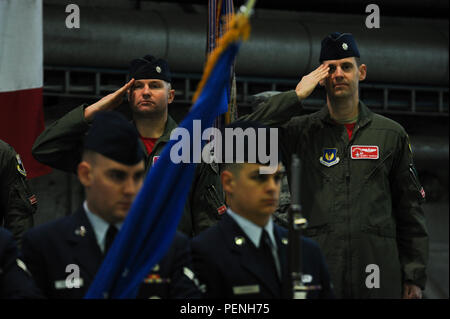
[{"x": 376, "y": 194}]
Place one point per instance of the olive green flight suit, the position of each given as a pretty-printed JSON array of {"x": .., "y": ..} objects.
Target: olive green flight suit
[
  {"x": 17, "y": 202},
  {"x": 365, "y": 213}
]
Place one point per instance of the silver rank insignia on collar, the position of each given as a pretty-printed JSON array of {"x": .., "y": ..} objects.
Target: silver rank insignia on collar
[
  {"x": 284, "y": 241},
  {"x": 239, "y": 240},
  {"x": 80, "y": 231}
]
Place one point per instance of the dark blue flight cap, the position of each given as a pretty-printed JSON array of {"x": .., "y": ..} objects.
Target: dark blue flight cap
[
  {"x": 113, "y": 136},
  {"x": 149, "y": 67},
  {"x": 338, "y": 46}
]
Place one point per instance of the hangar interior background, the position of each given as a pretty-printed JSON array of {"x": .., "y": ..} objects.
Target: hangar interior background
[{"x": 407, "y": 60}]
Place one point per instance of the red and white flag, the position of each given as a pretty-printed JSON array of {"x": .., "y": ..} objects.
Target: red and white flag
[{"x": 21, "y": 78}]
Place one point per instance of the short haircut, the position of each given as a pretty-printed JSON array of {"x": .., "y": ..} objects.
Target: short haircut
[
  {"x": 234, "y": 168},
  {"x": 89, "y": 156}
]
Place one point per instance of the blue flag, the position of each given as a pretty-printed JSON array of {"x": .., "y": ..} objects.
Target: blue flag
[{"x": 150, "y": 226}]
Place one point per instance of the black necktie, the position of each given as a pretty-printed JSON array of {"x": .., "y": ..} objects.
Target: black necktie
[
  {"x": 265, "y": 245},
  {"x": 110, "y": 235}
]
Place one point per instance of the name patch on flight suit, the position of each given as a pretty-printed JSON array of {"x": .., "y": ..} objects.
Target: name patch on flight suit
[
  {"x": 67, "y": 284},
  {"x": 244, "y": 290},
  {"x": 364, "y": 152},
  {"x": 329, "y": 157}
]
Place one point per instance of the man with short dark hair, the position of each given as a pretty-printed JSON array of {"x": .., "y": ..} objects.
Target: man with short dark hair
[
  {"x": 64, "y": 255},
  {"x": 360, "y": 189},
  {"x": 245, "y": 254}
]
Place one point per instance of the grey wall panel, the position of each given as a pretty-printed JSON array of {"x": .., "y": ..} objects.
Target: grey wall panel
[{"x": 282, "y": 44}]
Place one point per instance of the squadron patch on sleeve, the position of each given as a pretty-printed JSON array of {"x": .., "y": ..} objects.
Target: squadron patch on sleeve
[
  {"x": 409, "y": 143},
  {"x": 20, "y": 166}
]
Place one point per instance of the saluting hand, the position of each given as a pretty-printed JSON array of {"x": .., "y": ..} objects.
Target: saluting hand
[
  {"x": 309, "y": 82},
  {"x": 109, "y": 102}
]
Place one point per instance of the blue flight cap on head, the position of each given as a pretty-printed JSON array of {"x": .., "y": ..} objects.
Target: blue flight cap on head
[
  {"x": 338, "y": 46},
  {"x": 113, "y": 136},
  {"x": 149, "y": 67}
]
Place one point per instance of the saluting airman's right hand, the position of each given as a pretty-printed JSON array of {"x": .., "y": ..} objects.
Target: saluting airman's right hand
[
  {"x": 108, "y": 102},
  {"x": 309, "y": 82}
]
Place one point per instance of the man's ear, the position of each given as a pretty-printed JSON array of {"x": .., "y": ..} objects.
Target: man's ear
[
  {"x": 171, "y": 96},
  {"x": 227, "y": 179},
  {"x": 362, "y": 72},
  {"x": 84, "y": 171}
]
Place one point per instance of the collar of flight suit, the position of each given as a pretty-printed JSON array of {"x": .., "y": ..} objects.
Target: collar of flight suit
[
  {"x": 365, "y": 115},
  {"x": 165, "y": 137}
]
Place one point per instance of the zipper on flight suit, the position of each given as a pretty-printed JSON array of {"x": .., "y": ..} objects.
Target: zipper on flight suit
[{"x": 347, "y": 183}]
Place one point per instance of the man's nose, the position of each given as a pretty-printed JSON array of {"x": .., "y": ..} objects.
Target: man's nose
[
  {"x": 146, "y": 90},
  {"x": 272, "y": 185},
  {"x": 338, "y": 72},
  {"x": 130, "y": 187}
]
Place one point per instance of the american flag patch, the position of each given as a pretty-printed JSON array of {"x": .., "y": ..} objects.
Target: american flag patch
[
  {"x": 222, "y": 209},
  {"x": 422, "y": 192},
  {"x": 33, "y": 199}
]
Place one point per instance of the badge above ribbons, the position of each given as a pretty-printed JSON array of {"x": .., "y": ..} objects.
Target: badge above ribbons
[{"x": 329, "y": 157}]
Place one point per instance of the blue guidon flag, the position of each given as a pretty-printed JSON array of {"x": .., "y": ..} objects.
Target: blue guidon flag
[
  {"x": 329, "y": 157},
  {"x": 152, "y": 221}
]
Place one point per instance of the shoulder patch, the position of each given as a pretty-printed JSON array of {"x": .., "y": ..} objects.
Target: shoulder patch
[
  {"x": 20, "y": 166},
  {"x": 22, "y": 266},
  {"x": 409, "y": 143}
]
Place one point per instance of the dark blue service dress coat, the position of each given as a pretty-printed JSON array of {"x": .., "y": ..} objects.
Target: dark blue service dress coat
[
  {"x": 15, "y": 280},
  {"x": 52, "y": 249},
  {"x": 229, "y": 265}
]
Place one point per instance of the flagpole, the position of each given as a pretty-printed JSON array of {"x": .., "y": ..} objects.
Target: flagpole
[{"x": 296, "y": 223}]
